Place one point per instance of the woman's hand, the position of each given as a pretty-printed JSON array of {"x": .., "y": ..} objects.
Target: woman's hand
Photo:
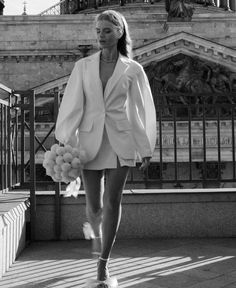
[{"x": 145, "y": 163}]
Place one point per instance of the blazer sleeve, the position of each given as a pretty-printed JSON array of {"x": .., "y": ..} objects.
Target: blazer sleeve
[
  {"x": 142, "y": 114},
  {"x": 71, "y": 108}
]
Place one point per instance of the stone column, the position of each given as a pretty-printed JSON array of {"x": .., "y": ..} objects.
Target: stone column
[
  {"x": 225, "y": 4},
  {"x": 232, "y": 4},
  {"x": 1, "y": 6}
]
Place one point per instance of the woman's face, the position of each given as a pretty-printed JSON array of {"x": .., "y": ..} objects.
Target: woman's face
[{"x": 107, "y": 34}]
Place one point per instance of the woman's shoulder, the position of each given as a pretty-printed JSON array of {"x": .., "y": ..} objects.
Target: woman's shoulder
[
  {"x": 80, "y": 63},
  {"x": 135, "y": 66},
  {"x": 87, "y": 58}
]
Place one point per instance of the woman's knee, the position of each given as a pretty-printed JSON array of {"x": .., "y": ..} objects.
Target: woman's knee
[
  {"x": 93, "y": 180},
  {"x": 112, "y": 202},
  {"x": 93, "y": 211}
]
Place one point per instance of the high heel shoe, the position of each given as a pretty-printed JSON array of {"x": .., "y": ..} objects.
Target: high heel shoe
[
  {"x": 109, "y": 282},
  {"x": 88, "y": 231}
]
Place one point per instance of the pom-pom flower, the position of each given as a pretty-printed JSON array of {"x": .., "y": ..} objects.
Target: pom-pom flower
[{"x": 63, "y": 164}]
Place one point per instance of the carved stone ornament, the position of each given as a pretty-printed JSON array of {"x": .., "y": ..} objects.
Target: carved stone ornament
[
  {"x": 1, "y": 6},
  {"x": 189, "y": 80},
  {"x": 206, "y": 2},
  {"x": 181, "y": 10},
  {"x": 72, "y": 6}
]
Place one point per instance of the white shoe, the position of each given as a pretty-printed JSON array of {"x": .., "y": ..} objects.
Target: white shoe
[
  {"x": 88, "y": 231},
  {"x": 96, "y": 241},
  {"x": 108, "y": 283},
  {"x": 96, "y": 247}
]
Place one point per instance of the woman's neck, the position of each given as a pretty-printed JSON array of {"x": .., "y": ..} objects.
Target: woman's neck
[{"x": 109, "y": 55}]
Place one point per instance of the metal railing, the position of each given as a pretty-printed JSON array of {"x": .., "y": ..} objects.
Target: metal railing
[
  {"x": 77, "y": 6},
  {"x": 195, "y": 141},
  {"x": 31, "y": 144},
  {"x": 195, "y": 144},
  {"x": 12, "y": 112},
  {"x": 18, "y": 151},
  {"x": 9, "y": 169},
  {"x": 55, "y": 9}
]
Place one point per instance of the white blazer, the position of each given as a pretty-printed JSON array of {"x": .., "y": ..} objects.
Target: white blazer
[{"x": 125, "y": 108}]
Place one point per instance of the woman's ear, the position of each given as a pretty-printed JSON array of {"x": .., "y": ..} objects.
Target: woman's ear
[{"x": 120, "y": 33}]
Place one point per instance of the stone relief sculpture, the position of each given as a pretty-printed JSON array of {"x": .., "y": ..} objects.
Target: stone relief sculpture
[
  {"x": 206, "y": 2},
  {"x": 179, "y": 9},
  {"x": 1, "y": 6},
  {"x": 189, "y": 80},
  {"x": 182, "y": 10}
]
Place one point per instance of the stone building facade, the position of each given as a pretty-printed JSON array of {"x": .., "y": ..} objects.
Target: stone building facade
[
  {"x": 197, "y": 56},
  {"x": 35, "y": 50}
]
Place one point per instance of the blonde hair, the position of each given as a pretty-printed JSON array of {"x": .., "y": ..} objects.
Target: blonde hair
[{"x": 124, "y": 45}]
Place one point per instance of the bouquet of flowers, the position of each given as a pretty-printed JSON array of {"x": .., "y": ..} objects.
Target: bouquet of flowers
[{"x": 63, "y": 164}]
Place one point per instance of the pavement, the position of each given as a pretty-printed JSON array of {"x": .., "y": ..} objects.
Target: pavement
[{"x": 137, "y": 263}]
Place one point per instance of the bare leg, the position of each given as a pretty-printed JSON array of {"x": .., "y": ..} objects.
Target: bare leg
[
  {"x": 115, "y": 182},
  {"x": 93, "y": 182}
]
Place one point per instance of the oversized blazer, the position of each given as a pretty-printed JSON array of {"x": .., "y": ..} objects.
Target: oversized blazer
[{"x": 125, "y": 108}]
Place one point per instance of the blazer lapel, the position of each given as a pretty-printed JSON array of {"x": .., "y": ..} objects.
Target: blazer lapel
[
  {"x": 119, "y": 70},
  {"x": 94, "y": 74}
]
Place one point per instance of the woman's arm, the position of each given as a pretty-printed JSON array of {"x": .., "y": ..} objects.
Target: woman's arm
[
  {"x": 142, "y": 116},
  {"x": 71, "y": 108}
]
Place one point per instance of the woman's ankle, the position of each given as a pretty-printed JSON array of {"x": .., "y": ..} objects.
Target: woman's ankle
[
  {"x": 102, "y": 271},
  {"x": 96, "y": 246},
  {"x": 103, "y": 259}
]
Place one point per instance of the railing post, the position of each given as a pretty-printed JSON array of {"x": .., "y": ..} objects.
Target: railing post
[
  {"x": 9, "y": 158},
  {"x": 233, "y": 139},
  {"x": 161, "y": 106},
  {"x": 5, "y": 147},
  {"x": 175, "y": 145},
  {"x": 16, "y": 139},
  {"x": 57, "y": 184},
  {"x": 190, "y": 142},
  {"x": 218, "y": 144},
  {"x": 1, "y": 150},
  {"x": 22, "y": 139},
  {"x": 204, "y": 170},
  {"x": 32, "y": 165}
]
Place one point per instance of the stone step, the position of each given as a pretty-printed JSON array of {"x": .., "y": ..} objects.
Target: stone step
[{"x": 13, "y": 217}]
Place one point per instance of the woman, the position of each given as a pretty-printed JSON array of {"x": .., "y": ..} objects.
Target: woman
[{"x": 108, "y": 110}]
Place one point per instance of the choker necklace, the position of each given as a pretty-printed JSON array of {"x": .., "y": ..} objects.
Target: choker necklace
[{"x": 108, "y": 61}]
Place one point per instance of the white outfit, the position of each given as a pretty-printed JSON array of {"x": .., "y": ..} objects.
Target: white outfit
[
  {"x": 119, "y": 122},
  {"x": 106, "y": 157}
]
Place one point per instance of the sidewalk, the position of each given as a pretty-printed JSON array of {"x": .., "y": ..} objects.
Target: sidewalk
[{"x": 144, "y": 263}]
